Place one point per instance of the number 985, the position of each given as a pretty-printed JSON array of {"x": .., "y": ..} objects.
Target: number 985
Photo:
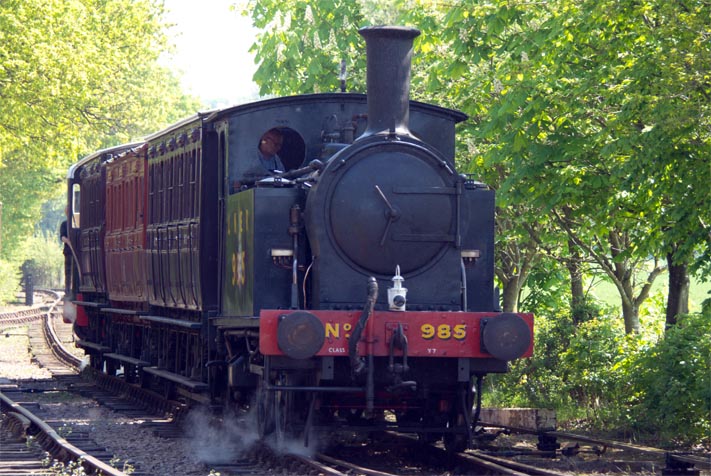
[{"x": 444, "y": 331}]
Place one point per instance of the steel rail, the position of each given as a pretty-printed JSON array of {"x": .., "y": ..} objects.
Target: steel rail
[
  {"x": 346, "y": 464},
  {"x": 305, "y": 460},
  {"x": 514, "y": 465},
  {"x": 54, "y": 342},
  {"x": 703, "y": 462},
  {"x": 13, "y": 319},
  {"x": 37, "y": 426},
  {"x": 686, "y": 458},
  {"x": 49, "y": 438}
]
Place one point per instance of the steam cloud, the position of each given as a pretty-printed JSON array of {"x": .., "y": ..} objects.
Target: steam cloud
[
  {"x": 218, "y": 440},
  {"x": 223, "y": 440}
]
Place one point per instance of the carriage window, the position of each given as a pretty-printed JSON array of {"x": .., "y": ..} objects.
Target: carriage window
[{"x": 76, "y": 201}]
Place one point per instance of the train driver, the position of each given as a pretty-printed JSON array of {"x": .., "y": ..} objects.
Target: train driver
[{"x": 269, "y": 147}]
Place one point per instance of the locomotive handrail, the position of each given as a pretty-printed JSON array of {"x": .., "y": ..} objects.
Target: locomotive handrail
[
  {"x": 68, "y": 242},
  {"x": 313, "y": 166}
]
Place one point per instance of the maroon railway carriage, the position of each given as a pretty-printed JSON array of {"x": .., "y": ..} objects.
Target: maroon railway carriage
[
  {"x": 125, "y": 238},
  {"x": 86, "y": 228}
]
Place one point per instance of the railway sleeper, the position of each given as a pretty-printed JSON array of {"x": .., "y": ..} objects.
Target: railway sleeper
[{"x": 676, "y": 466}]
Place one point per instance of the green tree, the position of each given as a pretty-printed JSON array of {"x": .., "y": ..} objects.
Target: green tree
[
  {"x": 302, "y": 44},
  {"x": 75, "y": 75},
  {"x": 577, "y": 92},
  {"x": 671, "y": 382}
]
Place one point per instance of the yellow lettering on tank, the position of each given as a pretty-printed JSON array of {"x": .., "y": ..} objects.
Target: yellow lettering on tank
[{"x": 333, "y": 330}]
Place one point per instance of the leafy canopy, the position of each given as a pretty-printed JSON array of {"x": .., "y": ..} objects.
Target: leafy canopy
[{"x": 75, "y": 75}]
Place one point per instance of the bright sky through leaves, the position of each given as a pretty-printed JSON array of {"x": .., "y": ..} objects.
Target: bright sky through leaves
[{"x": 212, "y": 50}]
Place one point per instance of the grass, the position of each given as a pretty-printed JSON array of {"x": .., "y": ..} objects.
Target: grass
[{"x": 605, "y": 291}]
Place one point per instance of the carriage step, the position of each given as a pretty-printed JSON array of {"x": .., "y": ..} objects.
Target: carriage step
[{"x": 193, "y": 385}]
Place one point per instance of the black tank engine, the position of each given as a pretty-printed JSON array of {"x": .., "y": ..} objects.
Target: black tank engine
[{"x": 354, "y": 289}]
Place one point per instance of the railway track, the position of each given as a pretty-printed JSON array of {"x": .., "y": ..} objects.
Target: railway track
[
  {"x": 28, "y": 406},
  {"x": 23, "y": 442},
  {"x": 29, "y": 443},
  {"x": 516, "y": 455},
  {"x": 12, "y": 319},
  {"x": 585, "y": 450}
]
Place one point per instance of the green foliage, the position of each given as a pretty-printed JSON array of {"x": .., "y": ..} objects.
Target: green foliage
[
  {"x": 24, "y": 186},
  {"x": 566, "y": 96},
  {"x": 536, "y": 382},
  {"x": 546, "y": 289},
  {"x": 52, "y": 215},
  {"x": 9, "y": 281},
  {"x": 635, "y": 384},
  {"x": 303, "y": 42},
  {"x": 577, "y": 370},
  {"x": 671, "y": 383},
  {"x": 59, "y": 468},
  {"x": 45, "y": 253},
  {"x": 590, "y": 366},
  {"x": 75, "y": 75}
]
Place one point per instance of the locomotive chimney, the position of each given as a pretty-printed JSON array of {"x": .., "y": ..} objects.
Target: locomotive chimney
[{"x": 389, "y": 54}]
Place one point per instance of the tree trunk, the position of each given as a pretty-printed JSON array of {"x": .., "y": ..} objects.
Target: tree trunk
[
  {"x": 630, "y": 313},
  {"x": 512, "y": 287},
  {"x": 577, "y": 310},
  {"x": 678, "y": 300}
]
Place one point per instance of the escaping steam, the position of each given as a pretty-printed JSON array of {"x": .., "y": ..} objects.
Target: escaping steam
[
  {"x": 224, "y": 439},
  {"x": 218, "y": 440}
]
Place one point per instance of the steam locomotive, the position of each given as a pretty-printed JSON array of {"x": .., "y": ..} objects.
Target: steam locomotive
[{"x": 355, "y": 289}]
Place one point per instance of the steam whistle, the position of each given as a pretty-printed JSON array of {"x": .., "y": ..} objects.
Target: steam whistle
[{"x": 397, "y": 295}]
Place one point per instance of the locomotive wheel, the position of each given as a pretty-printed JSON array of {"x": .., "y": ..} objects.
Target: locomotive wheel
[
  {"x": 459, "y": 441},
  {"x": 282, "y": 417},
  {"x": 456, "y": 442},
  {"x": 290, "y": 408},
  {"x": 265, "y": 411}
]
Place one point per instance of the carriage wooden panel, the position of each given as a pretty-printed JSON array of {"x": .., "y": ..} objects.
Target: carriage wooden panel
[
  {"x": 125, "y": 240},
  {"x": 93, "y": 181},
  {"x": 176, "y": 208}
]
